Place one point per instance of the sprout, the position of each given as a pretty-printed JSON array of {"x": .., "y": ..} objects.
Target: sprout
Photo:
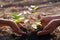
[
  {"x": 17, "y": 18},
  {"x": 30, "y": 9},
  {"x": 35, "y": 8},
  {"x": 16, "y": 21},
  {"x": 32, "y": 6},
  {"x": 26, "y": 20},
  {"x": 20, "y": 13},
  {"x": 24, "y": 12},
  {"x": 34, "y": 26},
  {"x": 38, "y": 23}
]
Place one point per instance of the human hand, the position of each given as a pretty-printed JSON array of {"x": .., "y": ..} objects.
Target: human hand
[
  {"x": 24, "y": 33},
  {"x": 38, "y": 33}
]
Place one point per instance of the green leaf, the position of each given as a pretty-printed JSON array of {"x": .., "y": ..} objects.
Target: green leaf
[
  {"x": 16, "y": 16},
  {"x": 16, "y": 21},
  {"x": 35, "y": 8}
]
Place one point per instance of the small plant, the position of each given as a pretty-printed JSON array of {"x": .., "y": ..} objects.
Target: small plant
[{"x": 17, "y": 18}]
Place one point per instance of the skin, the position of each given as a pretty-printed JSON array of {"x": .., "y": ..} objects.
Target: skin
[
  {"x": 49, "y": 24},
  {"x": 14, "y": 26}
]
